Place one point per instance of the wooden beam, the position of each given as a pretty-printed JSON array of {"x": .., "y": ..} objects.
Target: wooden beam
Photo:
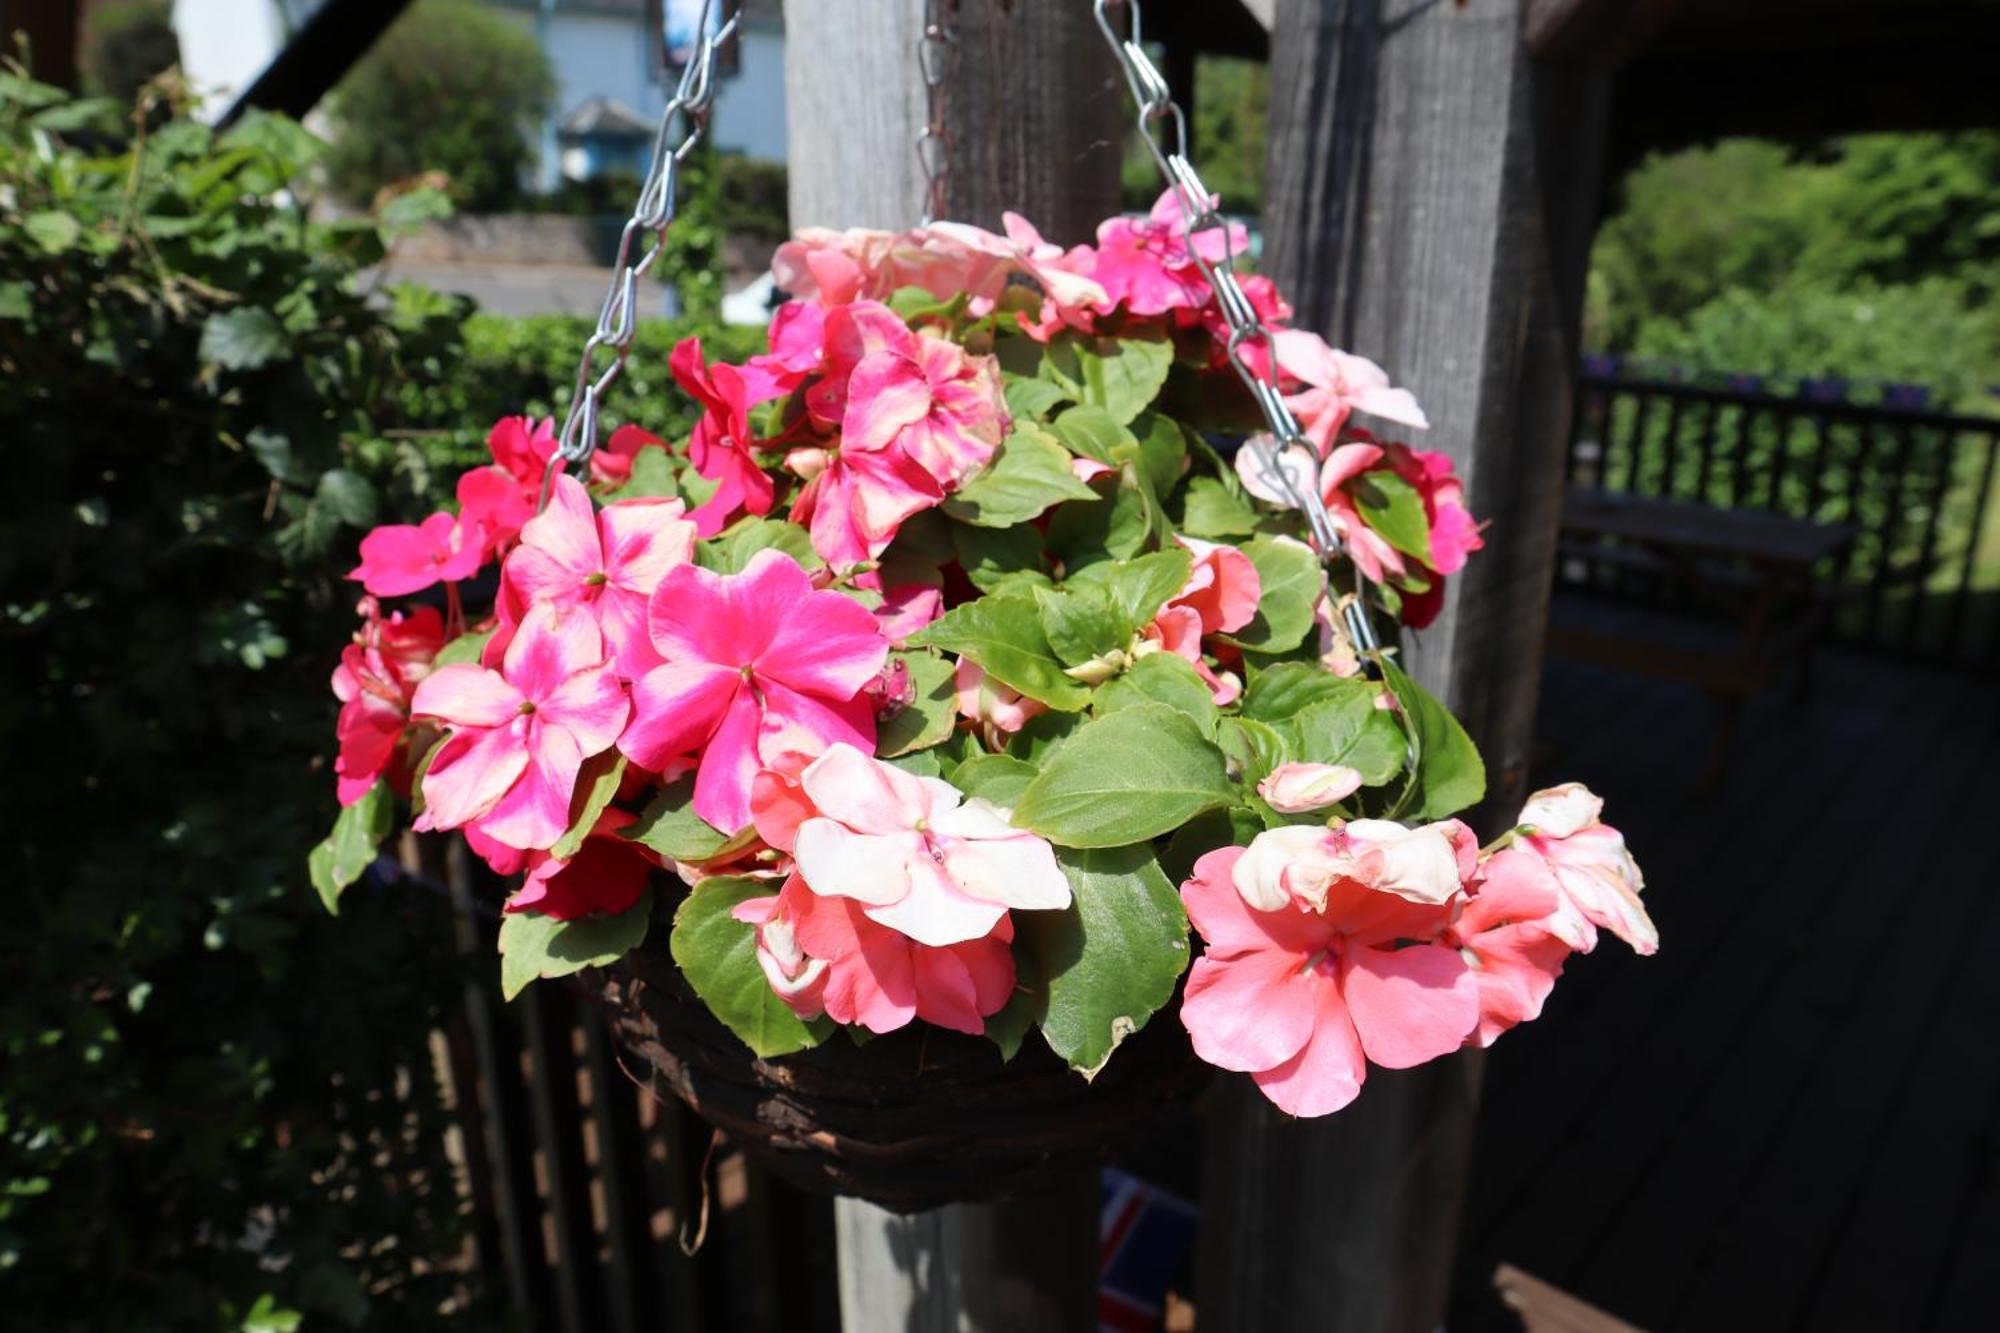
[
  {"x": 1429, "y": 204},
  {"x": 337, "y": 35},
  {"x": 1034, "y": 113},
  {"x": 1592, "y": 32}
]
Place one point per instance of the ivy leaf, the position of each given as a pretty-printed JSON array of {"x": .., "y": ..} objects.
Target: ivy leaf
[
  {"x": 729, "y": 551},
  {"x": 1003, "y": 634},
  {"x": 243, "y": 339},
  {"x": 1395, "y": 509},
  {"x": 1160, "y": 678},
  {"x": 344, "y": 855},
  {"x": 1125, "y": 777},
  {"x": 596, "y": 783},
  {"x": 465, "y": 648},
  {"x": 1122, "y": 376},
  {"x": 929, "y": 717},
  {"x": 1212, "y": 510},
  {"x": 1109, "y": 961},
  {"x": 1292, "y": 580},
  {"x": 1028, "y": 473},
  {"x": 1446, "y": 772},
  {"x": 348, "y": 496},
  {"x": 999, "y": 778},
  {"x": 1081, "y": 624},
  {"x": 718, "y": 956},
  {"x": 534, "y": 946},
  {"x": 669, "y": 826}
]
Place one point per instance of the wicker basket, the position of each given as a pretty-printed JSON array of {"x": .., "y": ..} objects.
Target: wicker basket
[{"x": 911, "y": 1120}]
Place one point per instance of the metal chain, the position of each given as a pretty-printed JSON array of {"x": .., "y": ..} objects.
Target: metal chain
[
  {"x": 937, "y": 60},
  {"x": 618, "y": 319},
  {"x": 1154, "y": 101}
]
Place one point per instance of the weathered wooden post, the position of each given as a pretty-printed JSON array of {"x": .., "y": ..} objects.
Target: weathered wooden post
[
  {"x": 1032, "y": 122},
  {"x": 1429, "y": 202}
]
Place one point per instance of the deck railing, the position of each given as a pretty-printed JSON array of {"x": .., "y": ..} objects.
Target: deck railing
[{"x": 1922, "y": 577}]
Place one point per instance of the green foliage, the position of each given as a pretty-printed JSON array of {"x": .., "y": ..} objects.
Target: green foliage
[
  {"x": 451, "y": 87},
  {"x": 718, "y": 956},
  {"x": 694, "y": 243},
  {"x": 1133, "y": 774},
  {"x": 753, "y": 197},
  {"x": 196, "y": 1124},
  {"x": 1228, "y": 127},
  {"x": 129, "y": 45},
  {"x": 534, "y": 947}
]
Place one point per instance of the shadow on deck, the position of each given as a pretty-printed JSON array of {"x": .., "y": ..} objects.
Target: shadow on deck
[{"x": 1790, "y": 1118}]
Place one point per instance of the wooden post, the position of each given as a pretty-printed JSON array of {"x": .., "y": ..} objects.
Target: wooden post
[
  {"x": 1429, "y": 206},
  {"x": 1034, "y": 113}
]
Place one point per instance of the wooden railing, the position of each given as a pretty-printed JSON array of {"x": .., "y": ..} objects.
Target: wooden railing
[{"x": 1923, "y": 577}]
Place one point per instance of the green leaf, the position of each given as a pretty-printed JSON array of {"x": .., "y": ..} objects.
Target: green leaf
[
  {"x": 1447, "y": 774},
  {"x": 1016, "y": 1018},
  {"x": 1003, "y": 633},
  {"x": 1212, "y": 510},
  {"x": 1161, "y": 452},
  {"x": 1252, "y": 748},
  {"x": 1029, "y": 473},
  {"x": 1281, "y": 690},
  {"x": 1395, "y": 509},
  {"x": 1160, "y": 678},
  {"x": 652, "y": 477},
  {"x": 1125, "y": 777},
  {"x": 718, "y": 956},
  {"x": 728, "y": 552},
  {"x": 1122, "y": 376},
  {"x": 1231, "y": 827},
  {"x": 929, "y": 717},
  {"x": 1093, "y": 432},
  {"x": 534, "y": 947},
  {"x": 1081, "y": 624},
  {"x": 1112, "y": 528},
  {"x": 344, "y": 855},
  {"x": 596, "y": 783},
  {"x": 348, "y": 496},
  {"x": 1108, "y": 962},
  {"x": 53, "y": 231},
  {"x": 1028, "y": 397},
  {"x": 999, "y": 778},
  {"x": 1040, "y": 738},
  {"x": 1292, "y": 580},
  {"x": 243, "y": 339},
  {"x": 994, "y": 558},
  {"x": 1349, "y": 729},
  {"x": 669, "y": 826},
  {"x": 1139, "y": 587},
  {"x": 413, "y": 208},
  {"x": 465, "y": 648}
]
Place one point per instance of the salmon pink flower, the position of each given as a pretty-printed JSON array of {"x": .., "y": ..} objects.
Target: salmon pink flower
[
  {"x": 1302, "y": 863},
  {"x": 377, "y": 674},
  {"x": 915, "y": 858},
  {"x": 1303, "y": 999},
  {"x": 1293, "y": 789},
  {"x": 1146, "y": 265},
  {"x": 720, "y": 445},
  {"x": 824, "y": 956},
  {"x": 1220, "y": 595},
  {"x": 519, "y": 735},
  {"x": 1338, "y": 384},
  {"x": 604, "y": 878},
  {"x": 401, "y": 558},
  {"x": 609, "y": 560},
  {"x": 1503, "y": 934},
  {"x": 854, "y": 506},
  {"x": 752, "y": 664},
  {"x": 1600, "y": 881},
  {"x": 988, "y": 703}
]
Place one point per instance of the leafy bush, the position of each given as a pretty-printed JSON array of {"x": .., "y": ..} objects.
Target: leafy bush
[
  {"x": 755, "y": 199},
  {"x": 451, "y": 87},
  {"x": 128, "y": 45}
]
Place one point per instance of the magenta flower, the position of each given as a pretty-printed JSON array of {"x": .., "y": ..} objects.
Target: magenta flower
[
  {"x": 1145, "y": 264},
  {"x": 752, "y": 663},
  {"x": 610, "y": 560},
  {"x": 604, "y": 878},
  {"x": 1303, "y": 1000},
  {"x": 377, "y": 674},
  {"x": 1505, "y": 935},
  {"x": 401, "y": 558},
  {"x": 720, "y": 446},
  {"x": 519, "y": 735}
]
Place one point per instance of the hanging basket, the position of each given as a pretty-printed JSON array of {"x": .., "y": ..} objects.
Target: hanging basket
[{"x": 914, "y": 1119}]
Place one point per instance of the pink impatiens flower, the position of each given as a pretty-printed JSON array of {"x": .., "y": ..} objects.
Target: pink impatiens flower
[
  {"x": 377, "y": 674},
  {"x": 401, "y": 558},
  {"x": 1293, "y": 789},
  {"x": 990, "y": 704},
  {"x": 1337, "y": 384},
  {"x": 604, "y": 878},
  {"x": 915, "y": 858},
  {"x": 720, "y": 445},
  {"x": 824, "y": 956},
  {"x": 1503, "y": 934},
  {"x": 1303, "y": 999},
  {"x": 1220, "y": 595},
  {"x": 753, "y": 664},
  {"x": 1600, "y": 881},
  {"x": 609, "y": 560},
  {"x": 519, "y": 735},
  {"x": 1146, "y": 265},
  {"x": 1303, "y": 862}
]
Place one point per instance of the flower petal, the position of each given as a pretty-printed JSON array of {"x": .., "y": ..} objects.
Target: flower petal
[
  {"x": 467, "y": 696},
  {"x": 864, "y": 793},
  {"x": 591, "y": 705},
  {"x": 837, "y": 862},
  {"x": 1252, "y": 1011},
  {"x": 1410, "y": 1004},
  {"x": 470, "y": 775},
  {"x": 675, "y": 709},
  {"x": 1327, "y": 1074},
  {"x": 535, "y": 811}
]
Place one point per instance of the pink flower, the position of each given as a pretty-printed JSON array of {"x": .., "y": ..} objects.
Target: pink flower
[
  {"x": 919, "y": 861},
  {"x": 720, "y": 446},
  {"x": 986, "y": 262},
  {"x": 1220, "y": 595},
  {"x": 500, "y": 499},
  {"x": 900, "y": 389},
  {"x": 1454, "y": 534},
  {"x": 1292, "y": 789},
  {"x": 572, "y": 555},
  {"x": 1503, "y": 934},
  {"x": 1304, "y": 999},
  {"x": 403, "y": 558},
  {"x": 907, "y": 608},
  {"x": 835, "y": 267},
  {"x": 753, "y": 664},
  {"x": 987, "y": 702},
  {"x": 496, "y": 506},
  {"x": 604, "y": 878},
  {"x": 519, "y": 735},
  {"x": 377, "y": 674},
  {"x": 611, "y": 462},
  {"x": 1371, "y": 553},
  {"x": 1145, "y": 264},
  {"x": 1600, "y": 881},
  {"x": 521, "y": 447},
  {"x": 797, "y": 337},
  {"x": 1302, "y": 863},
  {"x": 1337, "y": 384},
  {"x": 853, "y": 508},
  {"x": 824, "y": 956}
]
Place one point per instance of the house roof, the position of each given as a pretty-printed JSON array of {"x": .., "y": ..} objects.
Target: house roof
[{"x": 606, "y": 117}]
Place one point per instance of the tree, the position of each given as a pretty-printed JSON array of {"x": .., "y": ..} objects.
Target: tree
[
  {"x": 452, "y": 87},
  {"x": 128, "y": 45}
]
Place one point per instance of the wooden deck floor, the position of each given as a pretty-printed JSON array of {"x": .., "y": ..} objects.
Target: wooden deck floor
[{"x": 1790, "y": 1118}]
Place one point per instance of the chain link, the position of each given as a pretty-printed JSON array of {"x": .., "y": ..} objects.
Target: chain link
[
  {"x": 618, "y": 319},
  {"x": 1155, "y": 104},
  {"x": 937, "y": 60}
]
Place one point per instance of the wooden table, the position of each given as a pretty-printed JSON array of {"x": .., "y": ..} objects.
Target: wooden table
[{"x": 1756, "y": 567}]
